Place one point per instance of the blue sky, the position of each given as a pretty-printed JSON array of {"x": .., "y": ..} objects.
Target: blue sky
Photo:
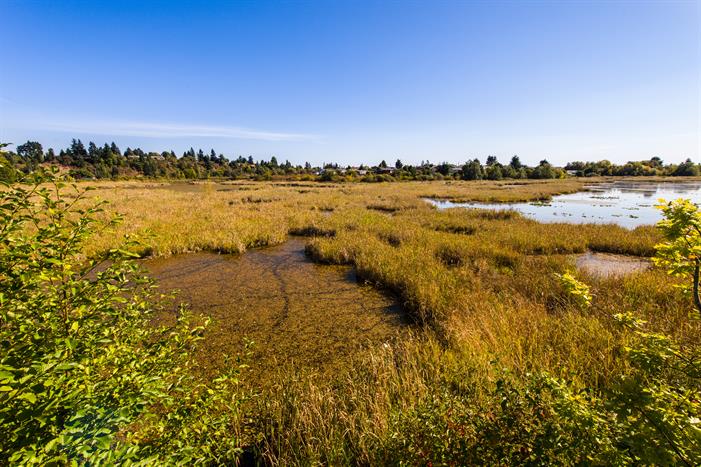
[{"x": 353, "y": 82}]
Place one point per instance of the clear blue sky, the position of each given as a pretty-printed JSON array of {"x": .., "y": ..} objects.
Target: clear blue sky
[{"x": 354, "y": 82}]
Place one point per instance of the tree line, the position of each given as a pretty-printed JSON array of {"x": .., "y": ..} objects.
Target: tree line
[{"x": 109, "y": 162}]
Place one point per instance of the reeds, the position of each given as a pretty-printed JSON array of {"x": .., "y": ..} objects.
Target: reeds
[{"x": 480, "y": 284}]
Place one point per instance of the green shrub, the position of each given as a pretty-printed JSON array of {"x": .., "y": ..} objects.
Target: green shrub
[{"x": 85, "y": 374}]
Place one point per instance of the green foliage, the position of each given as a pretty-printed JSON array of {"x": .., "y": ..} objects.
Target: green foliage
[
  {"x": 577, "y": 290},
  {"x": 657, "y": 406},
  {"x": 7, "y": 171},
  {"x": 647, "y": 417},
  {"x": 680, "y": 253},
  {"x": 536, "y": 420},
  {"x": 85, "y": 374},
  {"x": 108, "y": 161},
  {"x": 645, "y": 168}
]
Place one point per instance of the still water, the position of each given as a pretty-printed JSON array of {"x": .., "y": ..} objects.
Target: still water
[
  {"x": 626, "y": 203},
  {"x": 298, "y": 313}
]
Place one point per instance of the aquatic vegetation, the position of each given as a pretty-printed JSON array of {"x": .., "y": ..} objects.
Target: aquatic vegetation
[{"x": 297, "y": 313}]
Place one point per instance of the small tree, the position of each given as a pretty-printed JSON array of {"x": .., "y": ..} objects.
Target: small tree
[{"x": 680, "y": 253}]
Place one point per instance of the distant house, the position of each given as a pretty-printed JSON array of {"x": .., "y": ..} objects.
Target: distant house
[{"x": 357, "y": 170}]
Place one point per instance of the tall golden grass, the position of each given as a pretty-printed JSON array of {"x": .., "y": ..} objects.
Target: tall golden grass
[{"x": 480, "y": 284}]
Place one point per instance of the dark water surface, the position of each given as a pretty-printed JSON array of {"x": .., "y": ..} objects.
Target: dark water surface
[{"x": 297, "y": 312}]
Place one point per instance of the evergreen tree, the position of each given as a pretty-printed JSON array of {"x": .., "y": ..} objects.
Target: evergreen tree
[{"x": 515, "y": 163}]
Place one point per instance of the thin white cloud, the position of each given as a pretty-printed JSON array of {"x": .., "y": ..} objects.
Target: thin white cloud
[{"x": 167, "y": 130}]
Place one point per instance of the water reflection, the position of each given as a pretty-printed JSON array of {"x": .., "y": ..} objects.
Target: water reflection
[{"x": 626, "y": 203}]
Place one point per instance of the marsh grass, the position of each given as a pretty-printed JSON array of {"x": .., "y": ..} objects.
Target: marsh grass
[{"x": 480, "y": 284}]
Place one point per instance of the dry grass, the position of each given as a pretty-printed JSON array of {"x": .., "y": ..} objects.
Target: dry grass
[{"x": 481, "y": 284}]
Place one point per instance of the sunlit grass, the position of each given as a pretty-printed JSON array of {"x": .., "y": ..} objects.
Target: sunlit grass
[{"x": 480, "y": 284}]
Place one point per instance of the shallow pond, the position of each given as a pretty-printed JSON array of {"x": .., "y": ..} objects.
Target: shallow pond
[
  {"x": 626, "y": 203},
  {"x": 297, "y": 312},
  {"x": 605, "y": 265}
]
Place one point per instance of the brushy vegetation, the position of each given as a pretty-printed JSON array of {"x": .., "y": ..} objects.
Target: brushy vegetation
[
  {"x": 85, "y": 377},
  {"x": 109, "y": 162},
  {"x": 516, "y": 360}
]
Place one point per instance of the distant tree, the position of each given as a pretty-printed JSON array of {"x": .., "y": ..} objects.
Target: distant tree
[
  {"x": 656, "y": 162},
  {"x": 31, "y": 151},
  {"x": 250, "y": 159},
  {"x": 444, "y": 168},
  {"x": 398, "y": 165},
  {"x": 491, "y": 160},
  {"x": 383, "y": 164},
  {"x": 545, "y": 170},
  {"x": 685, "y": 169},
  {"x": 515, "y": 163},
  {"x": 77, "y": 149},
  {"x": 494, "y": 172},
  {"x": 307, "y": 166},
  {"x": 93, "y": 153},
  {"x": 273, "y": 162},
  {"x": 472, "y": 170}
]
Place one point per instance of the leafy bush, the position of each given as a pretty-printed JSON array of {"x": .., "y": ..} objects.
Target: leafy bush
[
  {"x": 680, "y": 253},
  {"x": 538, "y": 420},
  {"x": 85, "y": 374},
  {"x": 648, "y": 417}
]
